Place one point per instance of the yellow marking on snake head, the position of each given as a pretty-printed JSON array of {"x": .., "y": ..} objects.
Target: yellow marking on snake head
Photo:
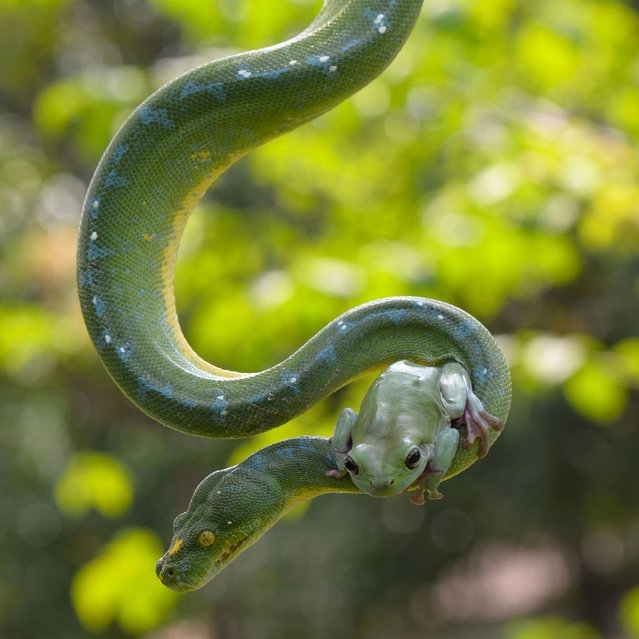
[{"x": 177, "y": 544}]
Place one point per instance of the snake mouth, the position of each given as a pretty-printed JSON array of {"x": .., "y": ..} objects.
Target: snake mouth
[{"x": 229, "y": 552}]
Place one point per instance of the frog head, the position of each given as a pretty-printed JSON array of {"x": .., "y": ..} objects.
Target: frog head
[{"x": 383, "y": 471}]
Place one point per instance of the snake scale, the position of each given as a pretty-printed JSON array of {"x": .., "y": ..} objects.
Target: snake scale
[{"x": 160, "y": 163}]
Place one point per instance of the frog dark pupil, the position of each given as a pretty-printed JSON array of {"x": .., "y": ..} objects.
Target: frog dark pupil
[{"x": 413, "y": 458}]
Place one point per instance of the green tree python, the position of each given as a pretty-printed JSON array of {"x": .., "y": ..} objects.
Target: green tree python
[{"x": 165, "y": 156}]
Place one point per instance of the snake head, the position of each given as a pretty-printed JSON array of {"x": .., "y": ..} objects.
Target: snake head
[{"x": 229, "y": 511}]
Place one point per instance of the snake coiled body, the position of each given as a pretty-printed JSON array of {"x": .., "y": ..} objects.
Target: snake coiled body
[{"x": 151, "y": 176}]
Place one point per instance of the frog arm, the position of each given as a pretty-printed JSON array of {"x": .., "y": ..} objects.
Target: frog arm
[
  {"x": 465, "y": 408},
  {"x": 342, "y": 440},
  {"x": 444, "y": 451}
]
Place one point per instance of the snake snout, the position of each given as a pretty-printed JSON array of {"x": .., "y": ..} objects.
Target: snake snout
[{"x": 165, "y": 573}]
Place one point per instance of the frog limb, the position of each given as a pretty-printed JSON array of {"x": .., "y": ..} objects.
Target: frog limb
[
  {"x": 478, "y": 423},
  {"x": 461, "y": 403},
  {"x": 342, "y": 440},
  {"x": 444, "y": 450}
]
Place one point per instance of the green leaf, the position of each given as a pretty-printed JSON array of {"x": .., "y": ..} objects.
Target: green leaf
[
  {"x": 629, "y": 612},
  {"x": 119, "y": 585},
  {"x": 596, "y": 391},
  {"x": 551, "y": 628},
  {"x": 94, "y": 480}
]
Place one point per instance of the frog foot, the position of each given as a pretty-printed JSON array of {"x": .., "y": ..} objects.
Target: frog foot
[
  {"x": 427, "y": 482},
  {"x": 417, "y": 497},
  {"x": 478, "y": 424}
]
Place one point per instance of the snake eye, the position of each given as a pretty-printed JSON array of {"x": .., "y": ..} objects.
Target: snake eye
[
  {"x": 206, "y": 538},
  {"x": 350, "y": 465},
  {"x": 413, "y": 458}
]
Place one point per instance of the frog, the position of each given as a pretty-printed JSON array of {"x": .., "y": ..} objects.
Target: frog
[{"x": 408, "y": 430}]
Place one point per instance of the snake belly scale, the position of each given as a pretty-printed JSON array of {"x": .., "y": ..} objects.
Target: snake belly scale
[{"x": 163, "y": 159}]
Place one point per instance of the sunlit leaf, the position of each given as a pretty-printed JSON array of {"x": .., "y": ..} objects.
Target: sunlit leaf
[
  {"x": 551, "y": 628},
  {"x": 548, "y": 56},
  {"x": 628, "y": 351},
  {"x": 597, "y": 392},
  {"x": 94, "y": 480},
  {"x": 629, "y": 612},
  {"x": 120, "y": 586},
  {"x": 30, "y": 337}
]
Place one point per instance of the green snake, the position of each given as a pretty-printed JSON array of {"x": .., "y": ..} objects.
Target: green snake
[{"x": 165, "y": 156}]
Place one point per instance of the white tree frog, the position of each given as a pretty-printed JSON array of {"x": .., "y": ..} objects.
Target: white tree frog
[{"x": 405, "y": 436}]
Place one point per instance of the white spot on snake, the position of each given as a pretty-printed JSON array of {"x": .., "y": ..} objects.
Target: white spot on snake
[
  {"x": 333, "y": 68},
  {"x": 292, "y": 63},
  {"x": 220, "y": 405},
  {"x": 324, "y": 58},
  {"x": 482, "y": 375},
  {"x": 107, "y": 338},
  {"x": 94, "y": 235},
  {"x": 95, "y": 204},
  {"x": 244, "y": 73},
  {"x": 125, "y": 351},
  {"x": 379, "y": 22},
  {"x": 440, "y": 317},
  {"x": 290, "y": 379}
]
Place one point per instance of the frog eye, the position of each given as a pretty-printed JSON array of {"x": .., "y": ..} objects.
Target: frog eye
[
  {"x": 413, "y": 458},
  {"x": 350, "y": 465}
]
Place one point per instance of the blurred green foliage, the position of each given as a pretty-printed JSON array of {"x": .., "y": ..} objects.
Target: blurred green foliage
[
  {"x": 495, "y": 165},
  {"x": 117, "y": 585},
  {"x": 94, "y": 480}
]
